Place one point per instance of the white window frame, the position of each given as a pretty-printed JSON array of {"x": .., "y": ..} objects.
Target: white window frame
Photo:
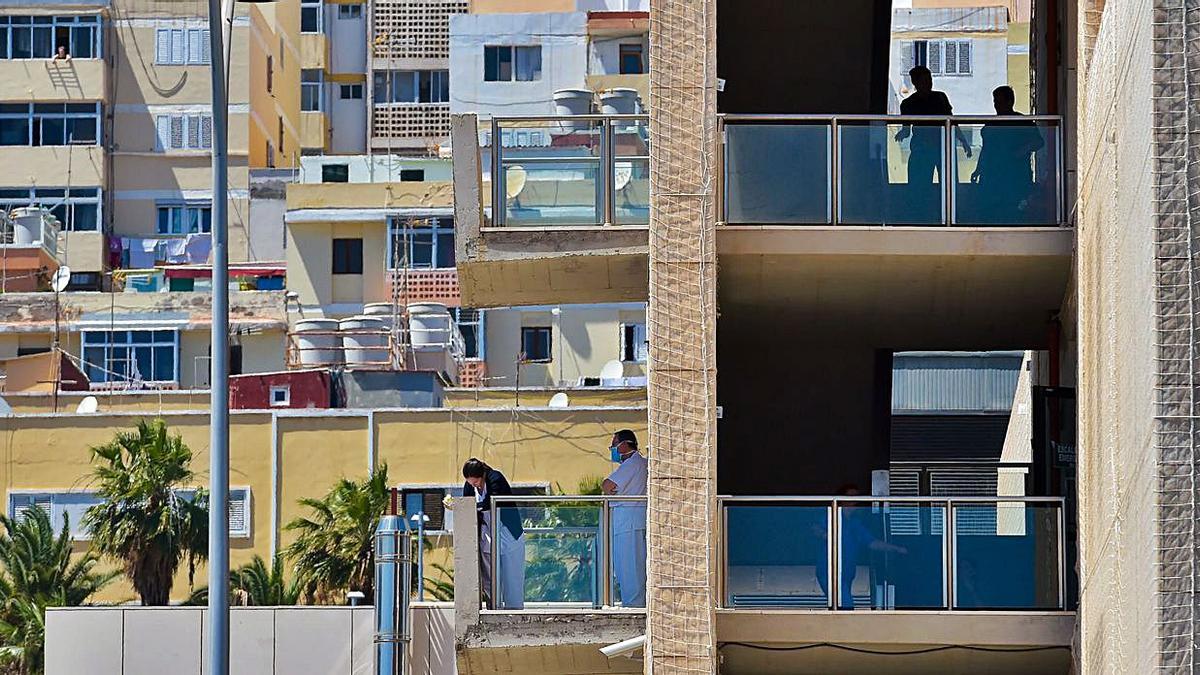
[
  {"x": 641, "y": 348},
  {"x": 72, "y": 23},
  {"x": 319, "y": 7},
  {"x": 286, "y": 390},
  {"x": 183, "y": 207},
  {"x": 310, "y": 87},
  {"x": 46, "y": 499},
  {"x": 31, "y": 114},
  {"x": 936, "y": 52},
  {"x": 108, "y": 366},
  {"x": 36, "y": 196},
  {"x": 480, "y": 323},
  {"x": 346, "y": 12},
  {"x": 193, "y": 130},
  {"x": 442, "y": 225},
  {"x": 247, "y": 499},
  {"x": 182, "y": 46}
]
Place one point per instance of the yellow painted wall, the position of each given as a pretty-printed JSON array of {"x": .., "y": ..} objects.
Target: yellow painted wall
[
  {"x": 46, "y": 80},
  {"x": 275, "y": 32},
  {"x": 23, "y": 166},
  {"x": 149, "y": 402},
  {"x": 1018, "y": 65},
  {"x": 520, "y": 6},
  {"x": 314, "y": 128},
  {"x": 559, "y": 447},
  {"x": 310, "y": 263},
  {"x": 535, "y": 397},
  {"x": 369, "y": 195}
]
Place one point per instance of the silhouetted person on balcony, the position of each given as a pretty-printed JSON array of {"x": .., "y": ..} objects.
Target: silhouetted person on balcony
[
  {"x": 855, "y": 541},
  {"x": 925, "y": 149},
  {"x": 1004, "y": 166}
]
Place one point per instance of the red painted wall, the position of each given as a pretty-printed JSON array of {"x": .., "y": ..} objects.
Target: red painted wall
[{"x": 307, "y": 389}]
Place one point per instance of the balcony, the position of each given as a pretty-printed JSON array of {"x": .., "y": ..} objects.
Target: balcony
[
  {"x": 893, "y": 171},
  {"x": 53, "y": 81},
  {"x": 565, "y": 219}
]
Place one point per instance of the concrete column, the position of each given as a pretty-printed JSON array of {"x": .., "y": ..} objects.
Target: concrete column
[{"x": 466, "y": 567}]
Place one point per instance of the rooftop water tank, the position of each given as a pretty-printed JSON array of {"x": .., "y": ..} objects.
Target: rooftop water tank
[
  {"x": 573, "y": 102},
  {"x": 27, "y": 224},
  {"x": 619, "y": 101},
  {"x": 318, "y": 350},
  {"x": 365, "y": 341},
  {"x": 429, "y": 323}
]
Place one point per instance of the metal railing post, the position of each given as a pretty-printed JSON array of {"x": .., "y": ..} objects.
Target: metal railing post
[
  {"x": 1062, "y": 556},
  {"x": 607, "y": 173},
  {"x": 606, "y": 597},
  {"x": 499, "y": 191},
  {"x": 833, "y": 210},
  {"x": 951, "y": 581},
  {"x": 948, "y": 175},
  {"x": 495, "y": 546},
  {"x": 834, "y": 558}
]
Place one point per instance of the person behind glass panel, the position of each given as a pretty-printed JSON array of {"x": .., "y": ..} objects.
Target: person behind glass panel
[
  {"x": 484, "y": 482},
  {"x": 628, "y": 518}
]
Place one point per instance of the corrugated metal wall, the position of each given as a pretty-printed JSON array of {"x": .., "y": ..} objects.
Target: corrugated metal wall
[{"x": 954, "y": 382}]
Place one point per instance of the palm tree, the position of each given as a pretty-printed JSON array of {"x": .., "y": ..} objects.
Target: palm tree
[
  {"x": 145, "y": 521},
  {"x": 37, "y": 573},
  {"x": 254, "y": 585},
  {"x": 334, "y": 551}
]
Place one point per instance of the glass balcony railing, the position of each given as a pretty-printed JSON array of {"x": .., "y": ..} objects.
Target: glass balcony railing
[
  {"x": 570, "y": 171},
  {"x": 877, "y": 170},
  {"x": 891, "y": 553},
  {"x": 569, "y": 552}
]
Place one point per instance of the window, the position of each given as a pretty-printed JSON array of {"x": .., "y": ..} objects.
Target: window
[
  {"x": 310, "y": 90},
  {"x": 631, "y": 60},
  {"x": 181, "y": 47},
  {"x": 535, "y": 343},
  {"x": 270, "y": 73},
  {"x": 430, "y": 243},
  {"x": 78, "y": 209},
  {"x": 335, "y": 173},
  {"x": 633, "y": 343},
  {"x": 428, "y": 502},
  {"x": 349, "y": 11},
  {"x": 279, "y": 121},
  {"x": 39, "y": 37},
  {"x": 347, "y": 256},
  {"x": 350, "y": 92},
  {"x": 310, "y": 16},
  {"x": 131, "y": 356},
  {"x": 281, "y": 396},
  {"x": 184, "y": 218},
  {"x": 49, "y": 123},
  {"x": 239, "y": 509},
  {"x": 941, "y": 57},
  {"x": 56, "y": 504},
  {"x": 505, "y": 63},
  {"x": 470, "y": 324},
  {"x": 184, "y": 131},
  {"x": 412, "y": 86},
  {"x": 412, "y": 175}
]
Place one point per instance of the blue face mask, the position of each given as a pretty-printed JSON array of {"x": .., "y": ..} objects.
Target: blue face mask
[{"x": 615, "y": 454}]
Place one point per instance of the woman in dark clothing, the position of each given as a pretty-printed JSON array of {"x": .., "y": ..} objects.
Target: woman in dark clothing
[{"x": 484, "y": 482}]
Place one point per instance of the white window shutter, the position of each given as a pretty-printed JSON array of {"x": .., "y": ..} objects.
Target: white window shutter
[
  {"x": 908, "y": 58},
  {"x": 162, "y": 45},
  {"x": 193, "y": 132},
  {"x": 239, "y": 512},
  {"x": 205, "y": 46},
  {"x": 934, "y": 58},
  {"x": 206, "y": 130},
  {"x": 176, "y": 132},
  {"x": 22, "y": 503},
  {"x": 951, "y": 60},
  {"x": 162, "y": 124},
  {"x": 178, "y": 47},
  {"x": 964, "y": 57},
  {"x": 193, "y": 45}
]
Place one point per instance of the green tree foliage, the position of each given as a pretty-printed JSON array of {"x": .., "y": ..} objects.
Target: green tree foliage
[{"x": 145, "y": 522}]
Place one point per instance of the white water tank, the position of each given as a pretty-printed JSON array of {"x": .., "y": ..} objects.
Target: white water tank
[
  {"x": 365, "y": 341},
  {"x": 573, "y": 102},
  {"x": 27, "y": 224},
  {"x": 619, "y": 101},
  {"x": 318, "y": 350},
  {"x": 380, "y": 310},
  {"x": 429, "y": 324}
]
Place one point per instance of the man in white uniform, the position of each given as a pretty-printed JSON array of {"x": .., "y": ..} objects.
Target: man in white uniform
[{"x": 628, "y": 518}]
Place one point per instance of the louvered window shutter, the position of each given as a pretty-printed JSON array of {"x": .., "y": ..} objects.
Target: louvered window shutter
[
  {"x": 193, "y": 132},
  {"x": 23, "y": 503},
  {"x": 162, "y": 124},
  {"x": 935, "y": 57},
  {"x": 206, "y": 124},
  {"x": 193, "y": 45},
  {"x": 908, "y": 59},
  {"x": 162, "y": 46},
  {"x": 964, "y": 57},
  {"x": 205, "y": 46},
  {"x": 178, "y": 47},
  {"x": 951, "y": 60},
  {"x": 239, "y": 512},
  {"x": 176, "y": 132}
]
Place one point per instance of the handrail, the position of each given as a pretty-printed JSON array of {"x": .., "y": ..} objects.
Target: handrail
[
  {"x": 893, "y": 119},
  {"x": 834, "y": 545}
]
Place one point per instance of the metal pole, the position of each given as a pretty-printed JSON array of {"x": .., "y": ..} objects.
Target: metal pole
[
  {"x": 421, "y": 556},
  {"x": 218, "y": 467}
]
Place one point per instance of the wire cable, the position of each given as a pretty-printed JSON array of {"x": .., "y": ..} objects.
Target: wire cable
[{"x": 908, "y": 652}]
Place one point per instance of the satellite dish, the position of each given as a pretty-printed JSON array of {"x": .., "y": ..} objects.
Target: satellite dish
[
  {"x": 5, "y": 408},
  {"x": 61, "y": 279},
  {"x": 87, "y": 406},
  {"x": 612, "y": 370},
  {"x": 622, "y": 174},
  {"x": 560, "y": 400},
  {"x": 514, "y": 181}
]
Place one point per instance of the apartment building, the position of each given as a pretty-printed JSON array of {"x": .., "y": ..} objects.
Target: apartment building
[{"x": 792, "y": 222}]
